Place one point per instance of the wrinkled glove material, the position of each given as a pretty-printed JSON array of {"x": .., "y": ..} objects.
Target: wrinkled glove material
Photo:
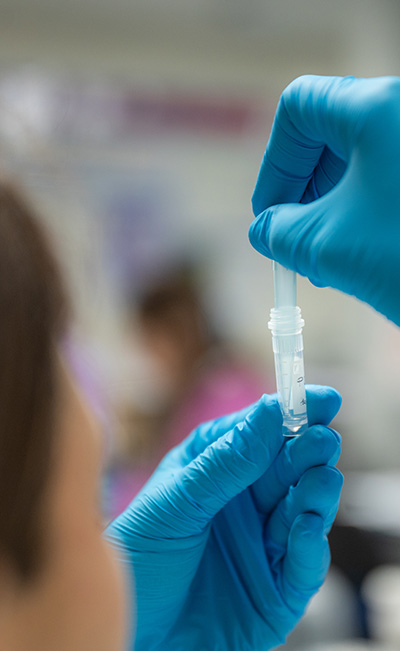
[{"x": 227, "y": 542}]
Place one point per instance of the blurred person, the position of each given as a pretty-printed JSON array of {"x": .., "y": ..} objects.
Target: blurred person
[
  {"x": 199, "y": 376},
  {"x": 222, "y": 549},
  {"x": 57, "y": 574},
  {"x": 205, "y": 378}
]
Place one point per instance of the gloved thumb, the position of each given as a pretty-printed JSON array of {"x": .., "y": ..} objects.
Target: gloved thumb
[
  {"x": 225, "y": 468},
  {"x": 291, "y": 234}
]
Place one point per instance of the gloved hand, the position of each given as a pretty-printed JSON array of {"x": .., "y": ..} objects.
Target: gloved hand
[
  {"x": 335, "y": 142},
  {"x": 226, "y": 544}
]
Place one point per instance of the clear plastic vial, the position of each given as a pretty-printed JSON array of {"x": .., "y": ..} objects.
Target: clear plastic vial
[{"x": 286, "y": 325}]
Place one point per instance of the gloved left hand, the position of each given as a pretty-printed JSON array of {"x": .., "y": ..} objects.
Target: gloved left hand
[{"x": 226, "y": 544}]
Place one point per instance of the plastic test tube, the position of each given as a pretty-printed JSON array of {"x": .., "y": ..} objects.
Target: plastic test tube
[{"x": 286, "y": 325}]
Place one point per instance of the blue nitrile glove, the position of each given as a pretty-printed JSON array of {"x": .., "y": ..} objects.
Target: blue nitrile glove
[
  {"x": 226, "y": 543},
  {"x": 335, "y": 142}
]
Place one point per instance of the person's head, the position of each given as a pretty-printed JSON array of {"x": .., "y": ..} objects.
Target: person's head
[
  {"x": 174, "y": 325},
  {"x": 60, "y": 586}
]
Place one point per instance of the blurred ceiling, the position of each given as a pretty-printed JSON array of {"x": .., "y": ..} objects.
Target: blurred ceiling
[
  {"x": 258, "y": 16},
  {"x": 203, "y": 41}
]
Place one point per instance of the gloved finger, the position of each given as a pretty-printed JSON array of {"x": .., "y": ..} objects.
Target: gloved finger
[
  {"x": 291, "y": 234},
  {"x": 316, "y": 447},
  {"x": 318, "y": 492},
  {"x": 225, "y": 468},
  {"x": 313, "y": 113},
  {"x": 326, "y": 175},
  {"x": 323, "y": 403},
  {"x": 306, "y": 561}
]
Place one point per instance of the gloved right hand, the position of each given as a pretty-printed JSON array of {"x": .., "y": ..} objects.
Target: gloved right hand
[
  {"x": 227, "y": 542},
  {"x": 335, "y": 146}
]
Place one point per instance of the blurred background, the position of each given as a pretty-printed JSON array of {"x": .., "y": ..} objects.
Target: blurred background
[{"x": 138, "y": 128}]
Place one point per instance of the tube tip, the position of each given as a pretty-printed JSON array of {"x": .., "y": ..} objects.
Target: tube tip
[{"x": 285, "y": 286}]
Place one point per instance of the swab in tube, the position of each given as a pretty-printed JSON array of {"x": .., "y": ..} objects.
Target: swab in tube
[{"x": 286, "y": 325}]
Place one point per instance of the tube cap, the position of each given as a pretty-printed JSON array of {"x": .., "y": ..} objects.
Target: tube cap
[{"x": 285, "y": 320}]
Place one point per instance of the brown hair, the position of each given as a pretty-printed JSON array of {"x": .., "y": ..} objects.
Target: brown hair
[
  {"x": 33, "y": 312},
  {"x": 174, "y": 306}
]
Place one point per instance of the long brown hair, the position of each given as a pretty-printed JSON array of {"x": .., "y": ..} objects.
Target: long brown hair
[{"x": 33, "y": 312}]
